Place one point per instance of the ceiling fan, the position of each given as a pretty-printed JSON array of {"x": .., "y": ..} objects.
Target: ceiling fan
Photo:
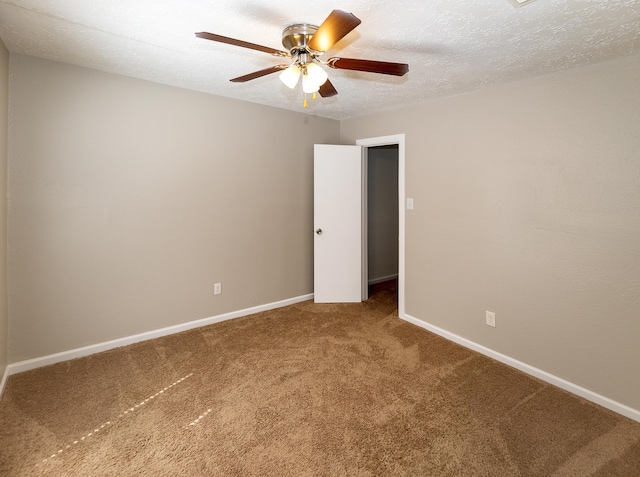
[{"x": 306, "y": 44}]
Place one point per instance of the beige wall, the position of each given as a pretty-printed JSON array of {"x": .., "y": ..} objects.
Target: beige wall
[
  {"x": 129, "y": 199},
  {"x": 527, "y": 204},
  {"x": 4, "y": 95}
]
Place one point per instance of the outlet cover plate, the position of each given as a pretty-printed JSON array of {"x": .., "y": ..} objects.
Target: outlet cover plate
[{"x": 491, "y": 318}]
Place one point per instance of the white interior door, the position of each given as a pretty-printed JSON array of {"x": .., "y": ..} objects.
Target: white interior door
[{"x": 339, "y": 268}]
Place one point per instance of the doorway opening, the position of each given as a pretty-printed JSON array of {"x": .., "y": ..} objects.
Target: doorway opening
[
  {"x": 383, "y": 227},
  {"x": 382, "y": 213}
]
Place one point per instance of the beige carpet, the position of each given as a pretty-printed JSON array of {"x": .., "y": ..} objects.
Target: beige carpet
[{"x": 305, "y": 390}]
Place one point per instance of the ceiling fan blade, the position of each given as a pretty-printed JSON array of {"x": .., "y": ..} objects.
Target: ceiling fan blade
[
  {"x": 258, "y": 74},
  {"x": 335, "y": 27},
  {"x": 382, "y": 67},
  {"x": 327, "y": 90},
  {"x": 244, "y": 44}
]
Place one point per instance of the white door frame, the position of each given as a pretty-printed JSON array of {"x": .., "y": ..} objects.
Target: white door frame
[{"x": 398, "y": 139}]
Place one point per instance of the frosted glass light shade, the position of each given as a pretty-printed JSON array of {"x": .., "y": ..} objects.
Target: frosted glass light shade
[
  {"x": 290, "y": 76},
  {"x": 308, "y": 86},
  {"x": 317, "y": 74}
]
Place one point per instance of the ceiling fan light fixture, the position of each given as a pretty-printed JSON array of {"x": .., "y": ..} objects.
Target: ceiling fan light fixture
[
  {"x": 308, "y": 85},
  {"x": 317, "y": 74},
  {"x": 290, "y": 76}
]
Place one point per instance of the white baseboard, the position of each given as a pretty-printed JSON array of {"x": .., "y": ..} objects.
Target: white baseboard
[
  {"x": 5, "y": 376},
  {"x": 29, "y": 364},
  {"x": 373, "y": 281},
  {"x": 603, "y": 401}
]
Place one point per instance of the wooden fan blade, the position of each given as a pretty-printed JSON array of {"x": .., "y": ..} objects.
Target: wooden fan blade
[
  {"x": 382, "y": 67},
  {"x": 327, "y": 90},
  {"x": 258, "y": 74},
  {"x": 244, "y": 44},
  {"x": 336, "y": 26}
]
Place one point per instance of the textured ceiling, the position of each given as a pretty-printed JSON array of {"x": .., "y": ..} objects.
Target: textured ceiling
[{"x": 451, "y": 46}]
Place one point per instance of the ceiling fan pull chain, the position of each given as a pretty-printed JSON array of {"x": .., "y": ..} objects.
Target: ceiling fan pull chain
[{"x": 305, "y": 100}]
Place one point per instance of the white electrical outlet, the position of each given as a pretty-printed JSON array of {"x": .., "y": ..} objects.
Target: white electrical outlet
[
  {"x": 217, "y": 288},
  {"x": 491, "y": 318}
]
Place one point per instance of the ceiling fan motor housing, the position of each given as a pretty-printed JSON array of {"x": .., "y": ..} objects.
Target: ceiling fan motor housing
[{"x": 295, "y": 38}]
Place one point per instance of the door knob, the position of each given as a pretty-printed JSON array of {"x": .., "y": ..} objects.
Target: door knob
[{"x": 319, "y": 231}]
